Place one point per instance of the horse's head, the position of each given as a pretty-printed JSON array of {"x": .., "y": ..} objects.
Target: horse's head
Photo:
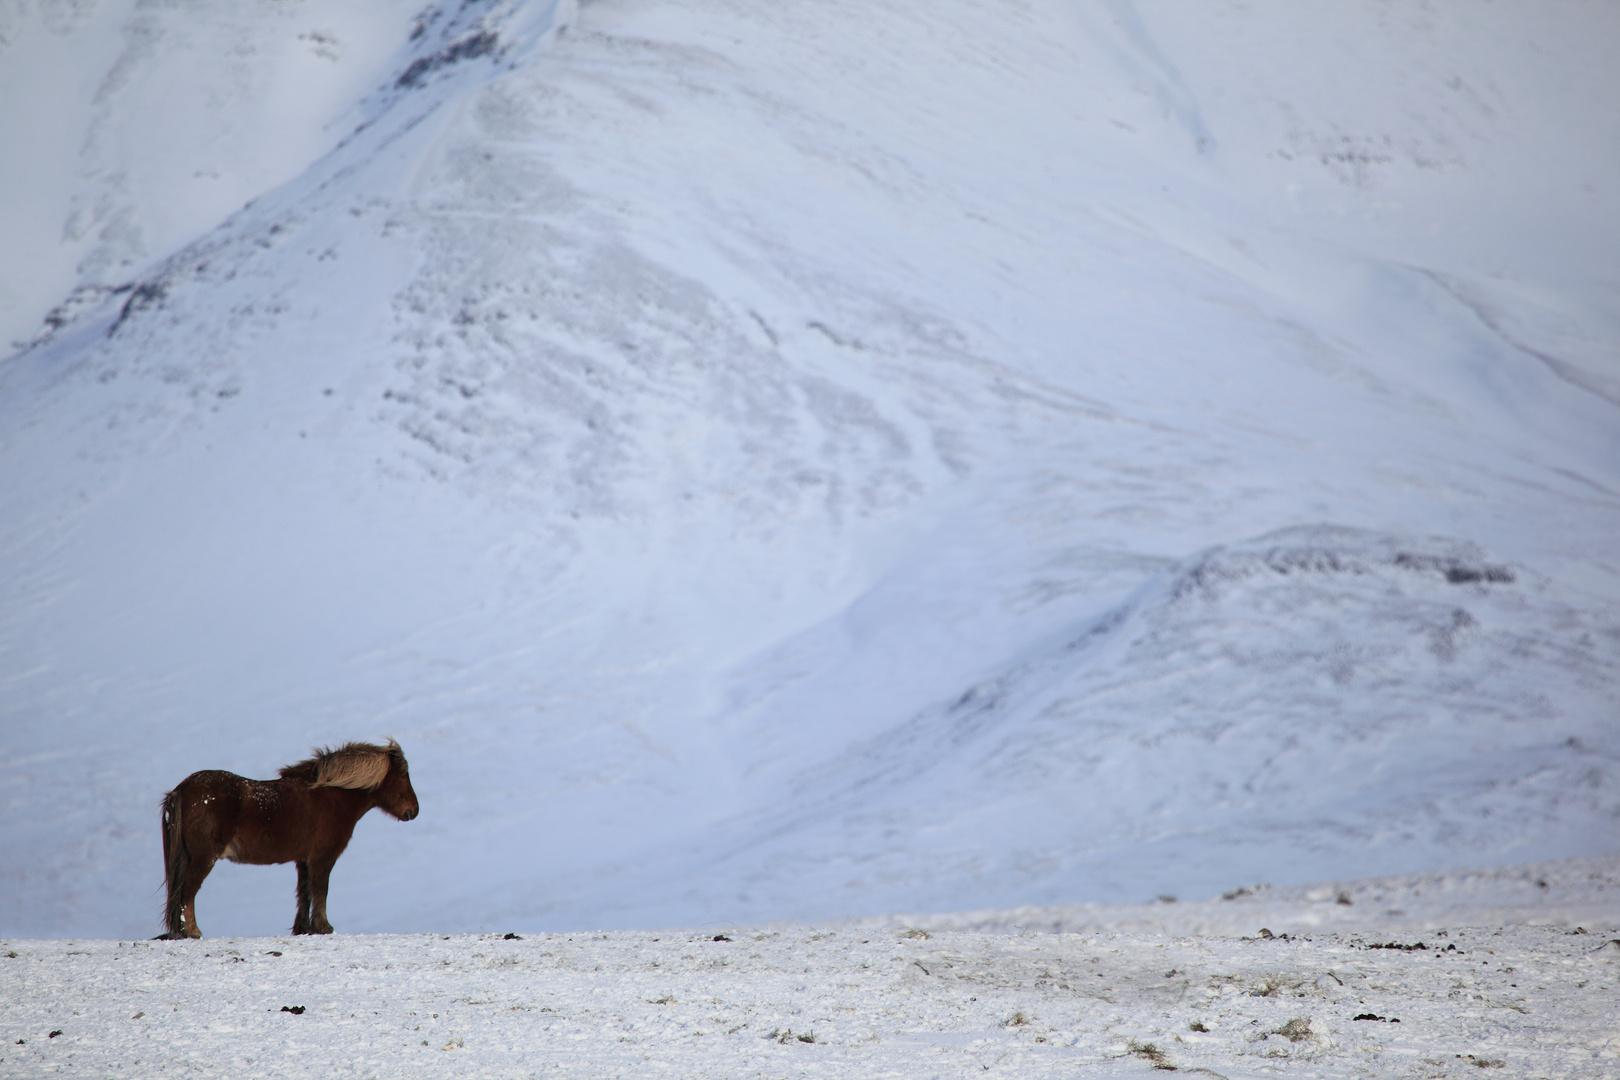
[{"x": 395, "y": 795}]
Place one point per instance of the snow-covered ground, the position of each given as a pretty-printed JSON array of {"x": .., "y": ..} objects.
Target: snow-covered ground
[
  {"x": 805, "y": 460},
  {"x": 1563, "y": 893},
  {"x": 1527, "y": 991}
]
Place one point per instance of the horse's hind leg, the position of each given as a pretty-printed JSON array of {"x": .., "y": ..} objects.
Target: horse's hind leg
[
  {"x": 183, "y": 901},
  {"x": 301, "y": 923},
  {"x": 189, "y": 853},
  {"x": 195, "y": 873},
  {"x": 200, "y": 820},
  {"x": 203, "y": 836}
]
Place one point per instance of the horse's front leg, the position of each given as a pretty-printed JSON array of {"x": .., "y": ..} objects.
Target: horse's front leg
[
  {"x": 320, "y": 875},
  {"x": 301, "y": 923}
]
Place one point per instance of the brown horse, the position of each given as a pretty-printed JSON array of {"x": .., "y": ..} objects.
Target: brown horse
[{"x": 306, "y": 817}]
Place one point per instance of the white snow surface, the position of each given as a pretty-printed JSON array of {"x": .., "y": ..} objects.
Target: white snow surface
[
  {"x": 1530, "y": 992},
  {"x": 804, "y": 460},
  {"x": 131, "y": 127}
]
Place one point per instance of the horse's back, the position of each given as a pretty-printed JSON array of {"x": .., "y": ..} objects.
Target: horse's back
[
  {"x": 210, "y": 779},
  {"x": 211, "y": 786}
]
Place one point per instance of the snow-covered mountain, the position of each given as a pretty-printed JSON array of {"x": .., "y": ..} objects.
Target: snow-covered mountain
[{"x": 809, "y": 459}]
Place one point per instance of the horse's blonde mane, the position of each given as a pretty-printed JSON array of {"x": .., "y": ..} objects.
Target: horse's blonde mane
[{"x": 356, "y": 766}]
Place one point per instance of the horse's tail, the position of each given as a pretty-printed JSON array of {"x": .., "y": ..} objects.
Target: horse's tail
[{"x": 176, "y": 860}]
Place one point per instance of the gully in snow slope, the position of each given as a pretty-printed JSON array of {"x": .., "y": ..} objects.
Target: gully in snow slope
[{"x": 307, "y": 817}]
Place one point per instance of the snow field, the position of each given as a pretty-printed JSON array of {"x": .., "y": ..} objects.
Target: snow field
[
  {"x": 813, "y": 459},
  {"x": 1563, "y": 893},
  {"x": 835, "y": 1002},
  {"x": 131, "y": 128}
]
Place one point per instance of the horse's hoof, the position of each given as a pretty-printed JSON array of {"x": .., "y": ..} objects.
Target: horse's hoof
[{"x": 177, "y": 935}]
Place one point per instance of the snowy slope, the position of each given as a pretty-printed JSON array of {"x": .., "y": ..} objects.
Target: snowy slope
[
  {"x": 130, "y": 128},
  {"x": 1567, "y": 894},
  {"x": 809, "y": 460}
]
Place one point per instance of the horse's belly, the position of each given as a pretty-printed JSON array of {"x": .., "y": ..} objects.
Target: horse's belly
[
  {"x": 232, "y": 853},
  {"x": 256, "y": 855},
  {"x": 261, "y": 847}
]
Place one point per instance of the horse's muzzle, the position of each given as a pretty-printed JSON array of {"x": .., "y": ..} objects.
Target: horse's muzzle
[{"x": 410, "y": 814}]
